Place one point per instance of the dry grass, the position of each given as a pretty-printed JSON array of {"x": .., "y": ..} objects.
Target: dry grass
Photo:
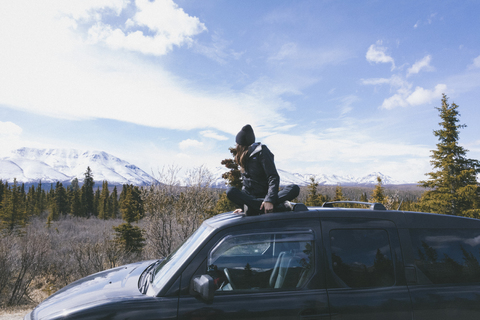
[{"x": 14, "y": 313}]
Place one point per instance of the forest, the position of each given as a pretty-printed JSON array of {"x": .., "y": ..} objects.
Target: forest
[{"x": 53, "y": 235}]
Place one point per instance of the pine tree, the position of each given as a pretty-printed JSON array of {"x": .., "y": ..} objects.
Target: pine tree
[
  {"x": 314, "y": 199},
  {"x": 339, "y": 194},
  {"x": 87, "y": 193},
  {"x": 96, "y": 201},
  {"x": 223, "y": 205},
  {"x": 104, "y": 202},
  {"x": 378, "y": 194},
  {"x": 114, "y": 208},
  {"x": 130, "y": 237},
  {"x": 364, "y": 197},
  {"x": 61, "y": 199},
  {"x": 131, "y": 206},
  {"x": 452, "y": 186},
  {"x": 12, "y": 212},
  {"x": 40, "y": 203}
]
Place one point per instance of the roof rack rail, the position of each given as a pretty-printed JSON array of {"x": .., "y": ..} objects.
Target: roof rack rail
[{"x": 373, "y": 206}]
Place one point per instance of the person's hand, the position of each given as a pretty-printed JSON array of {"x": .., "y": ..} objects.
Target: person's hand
[
  {"x": 268, "y": 206},
  {"x": 237, "y": 211}
]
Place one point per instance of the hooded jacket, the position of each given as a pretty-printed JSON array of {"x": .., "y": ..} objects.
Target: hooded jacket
[{"x": 260, "y": 177}]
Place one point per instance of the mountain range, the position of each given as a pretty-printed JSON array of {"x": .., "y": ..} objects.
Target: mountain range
[{"x": 30, "y": 165}]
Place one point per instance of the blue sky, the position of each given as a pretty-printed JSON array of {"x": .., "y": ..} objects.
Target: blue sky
[{"x": 332, "y": 87}]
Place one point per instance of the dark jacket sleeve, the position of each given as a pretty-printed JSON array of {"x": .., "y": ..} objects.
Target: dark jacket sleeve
[{"x": 273, "y": 179}]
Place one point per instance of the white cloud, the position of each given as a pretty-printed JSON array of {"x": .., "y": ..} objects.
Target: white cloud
[
  {"x": 213, "y": 135},
  {"x": 475, "y": 64},
  {"x": 423, "y": 96},
  {"x": 170, "y": 26},
  {"x": 8, "y": 129},
  {"x": 190, "y": 143},
  {"x": 10, "y": 137},
  {"x": 353, "y": 146},
  {"x": 47, "y": 68},
  {"x": 376, "y": 53},
  {"x": 419, "y": 65},
  {"x": 288, "y": 50}
]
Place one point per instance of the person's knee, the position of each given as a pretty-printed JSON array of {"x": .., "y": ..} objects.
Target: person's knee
[
  {"x": 295, "y": 190},
  {"x": 231, "y": 191}
]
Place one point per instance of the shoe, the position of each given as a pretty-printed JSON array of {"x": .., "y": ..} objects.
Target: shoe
[
  {"x": 250, "y": 211},
  {"x": 284, "y": 206},
  {"x": 288, "y": 205}
]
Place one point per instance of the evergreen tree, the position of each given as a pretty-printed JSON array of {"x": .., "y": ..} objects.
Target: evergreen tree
[
  {"x": 129, "y": 206},
  {"x": 40, "y": 203},
  {"x": 223, "y": 205},
  {"x": 129, "y": 237},
  {"x": 2, "y": 188},
  {"x": 378, "y": 194},
  {"x": 12, "y": 212},
  {"x": 339, "y": 194},
  {"x": 452, "y": 186},
  {"x": 87, "y": 193},
  {"x": 364, "y": 197},
  {"x": 314, "y": 199},
  {"x": 114, "y": 208},
  {"x": 61, "y": 199},
  {"x": 104, "y": 202},
  {"x": 96, "y": 201}
]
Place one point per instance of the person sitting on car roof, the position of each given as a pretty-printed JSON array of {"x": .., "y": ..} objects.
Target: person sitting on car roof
[{"x": 260, "y": 192}]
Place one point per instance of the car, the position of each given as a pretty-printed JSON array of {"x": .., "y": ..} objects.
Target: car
[{"x": 324, "y": 262}]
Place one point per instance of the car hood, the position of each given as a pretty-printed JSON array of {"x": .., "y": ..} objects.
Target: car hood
[{"x": 99, "y": 288}]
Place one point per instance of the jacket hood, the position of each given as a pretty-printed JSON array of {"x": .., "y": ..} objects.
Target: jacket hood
[
  {"x": 98, "y": 288},
  {"x": 255, "y": 148}
]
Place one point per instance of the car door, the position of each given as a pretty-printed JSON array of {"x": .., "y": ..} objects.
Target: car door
[
  {"x": 266, "y": 270},
  {"x": 365, "y": 270}
]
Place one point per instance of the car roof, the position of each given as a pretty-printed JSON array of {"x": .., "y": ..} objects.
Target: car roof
[{"x": 402, "y": 219}]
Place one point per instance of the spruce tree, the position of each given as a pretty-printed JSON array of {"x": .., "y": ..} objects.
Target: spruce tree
[
  {"x": 452, "y": 187},
  {"x": 314, "y": 199},
  {"x": 61, "y": 199},
  {"x": 378, "y": 193},
  {"x": 12, "y": 212},
  {"x": 339, "y": 194},
  {"x": 87, "y": 193},
  {"x": 114, "y": 208},
  {"x": 104, "y": 202}
]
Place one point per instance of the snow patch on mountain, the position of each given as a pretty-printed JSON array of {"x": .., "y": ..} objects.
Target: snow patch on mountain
[
  {"x": 30, "y": 165},
  {"x": 287, "y": 178}
]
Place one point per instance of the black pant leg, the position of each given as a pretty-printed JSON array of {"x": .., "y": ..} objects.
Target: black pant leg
[
  {"x": 241, "y": 198},
  {"x": 288, "y": 193}
]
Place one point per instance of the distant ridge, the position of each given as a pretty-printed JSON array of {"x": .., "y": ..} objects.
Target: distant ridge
[
  {"x": 30, "y": 165},
  {"x": 322, "y": 179}
]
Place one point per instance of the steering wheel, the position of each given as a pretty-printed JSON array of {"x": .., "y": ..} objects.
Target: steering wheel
[{"x": 229, "y": 278}]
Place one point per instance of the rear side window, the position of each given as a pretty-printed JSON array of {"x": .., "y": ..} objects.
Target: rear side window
[
  {"x": 447, "y": 255},
  {"x": 266, "y": 261},
  {"x": 362, "y": 257}
]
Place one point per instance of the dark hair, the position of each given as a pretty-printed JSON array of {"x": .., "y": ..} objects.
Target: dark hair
[{"x": 241, "y": 156}]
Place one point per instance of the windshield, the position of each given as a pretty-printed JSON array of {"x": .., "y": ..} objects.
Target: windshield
[{"x": 176, "y": 259}]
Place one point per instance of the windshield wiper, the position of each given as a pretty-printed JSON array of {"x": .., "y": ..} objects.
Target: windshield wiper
[{"x": 147, "y": 276}]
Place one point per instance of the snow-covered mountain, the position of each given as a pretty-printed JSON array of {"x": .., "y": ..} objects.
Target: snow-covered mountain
[
  {"x": 29, "y": 165},
  {"x": 322, "y": 179}
]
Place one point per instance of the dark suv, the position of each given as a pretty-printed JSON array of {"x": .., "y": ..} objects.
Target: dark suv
[{"x": 316, "y": 263}]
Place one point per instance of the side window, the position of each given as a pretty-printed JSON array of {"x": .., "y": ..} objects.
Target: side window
[
  {"x": 362, "y": 257},
  {"x": 265, "y": 261},
  {"x": 447, "y": 255}
]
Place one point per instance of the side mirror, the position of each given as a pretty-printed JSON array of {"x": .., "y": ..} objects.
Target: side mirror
[{"x": 204, "y": 287}]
